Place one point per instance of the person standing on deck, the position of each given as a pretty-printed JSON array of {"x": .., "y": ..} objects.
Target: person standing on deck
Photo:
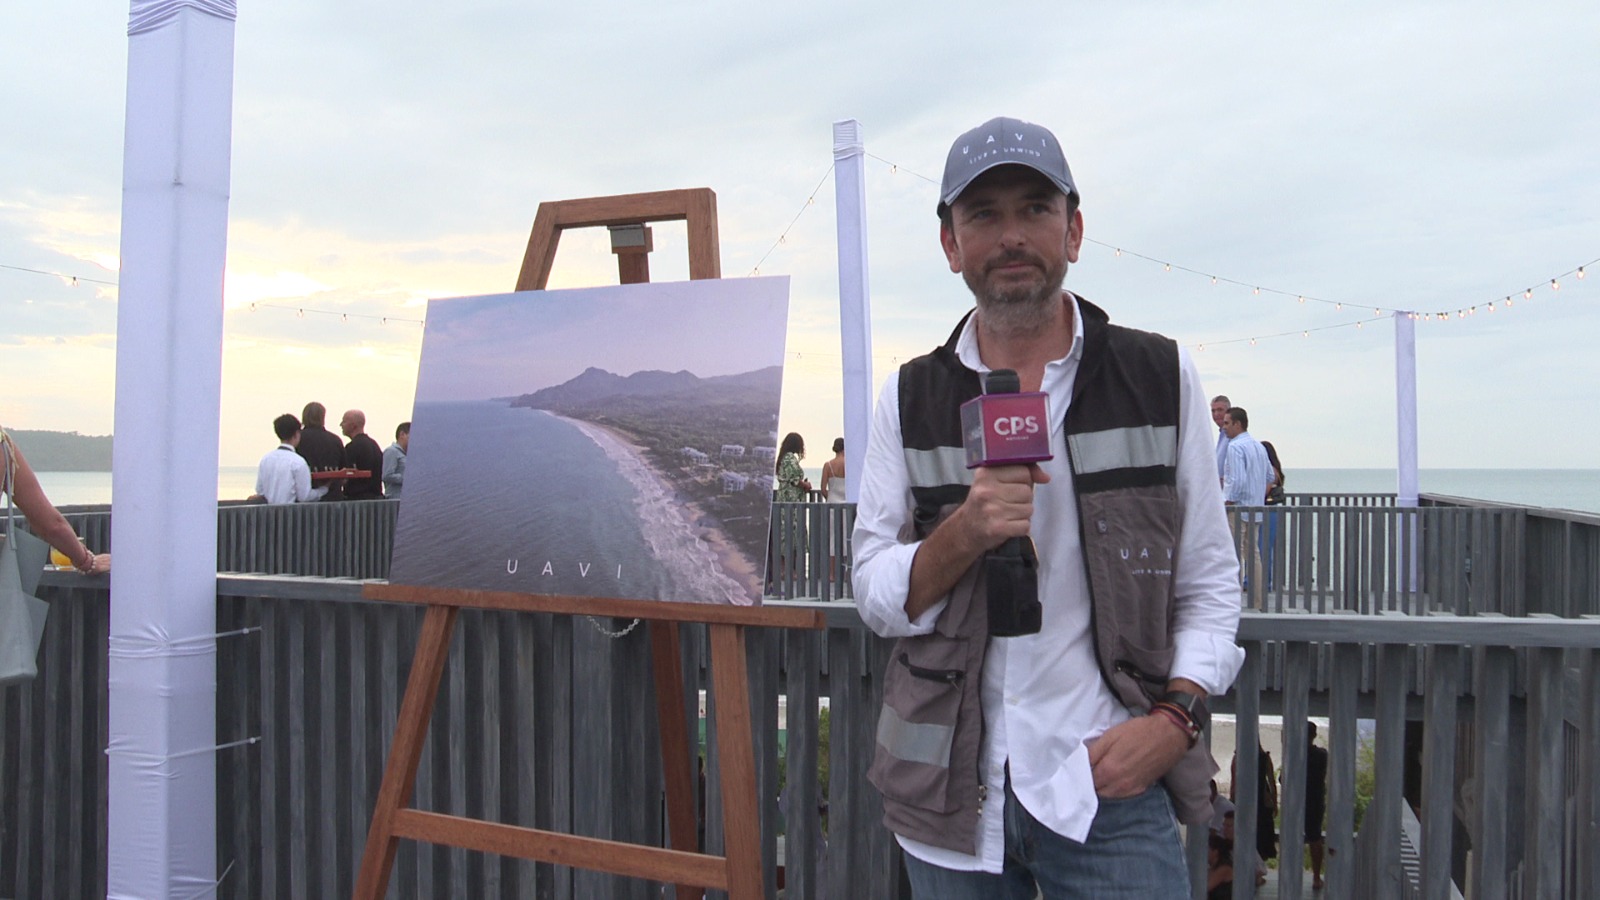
[
  {"x": 394, "y": 462},
  {"x": 283, "y": 475},
  {"x": 320, "y": 448},
  {"x": 1012, "y": 766},
  {"x": 1219, "y": 408},
  {"x": 361, "y": 453}
]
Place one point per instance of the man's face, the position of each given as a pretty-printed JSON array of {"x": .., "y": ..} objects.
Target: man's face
[
  {"x": 1218, "y": 411},
  {"x": 404, "y": 440},
  {"x": 1011, "y": 238},
  {"x": 348, "y": 426},
  {"x": 1230, "y": 427}
]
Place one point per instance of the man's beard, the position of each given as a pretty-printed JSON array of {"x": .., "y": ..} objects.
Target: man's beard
[{"x": 1021, "y": 309}]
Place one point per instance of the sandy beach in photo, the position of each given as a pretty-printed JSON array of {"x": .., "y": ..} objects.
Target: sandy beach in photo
[{"x": 704, "y": 563}]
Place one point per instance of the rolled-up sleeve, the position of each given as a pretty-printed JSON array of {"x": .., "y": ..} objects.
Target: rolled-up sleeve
[
  {"x": 882, "y": 562},
  {"x": 1206, "y": 580}
]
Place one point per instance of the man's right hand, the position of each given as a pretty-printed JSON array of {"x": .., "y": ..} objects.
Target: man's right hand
[{"x": 998, "y": 506}]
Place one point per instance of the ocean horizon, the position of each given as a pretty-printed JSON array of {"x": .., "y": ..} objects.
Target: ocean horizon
[{"x": 1570, "y": 489}]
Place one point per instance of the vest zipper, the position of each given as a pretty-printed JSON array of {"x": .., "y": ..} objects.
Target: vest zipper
[{"x": 948, "y": 676}]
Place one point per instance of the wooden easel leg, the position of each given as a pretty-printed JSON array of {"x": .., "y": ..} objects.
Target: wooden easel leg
[
  {"x": 400, "y": 773},
  {"x": 677, "y": 771},
  {"x": 736, "y": 762}
]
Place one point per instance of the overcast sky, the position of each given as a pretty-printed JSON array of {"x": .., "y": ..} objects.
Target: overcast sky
[{"x": 1419, "y": 156}]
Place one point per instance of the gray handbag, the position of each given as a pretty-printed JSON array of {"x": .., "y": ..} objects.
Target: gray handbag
[{"x": 22, "y": 615}]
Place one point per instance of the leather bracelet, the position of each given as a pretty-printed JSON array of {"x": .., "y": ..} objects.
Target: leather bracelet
[
  {"x": 1189, "y": 724},
  {"x": 1181, "y": 722}
]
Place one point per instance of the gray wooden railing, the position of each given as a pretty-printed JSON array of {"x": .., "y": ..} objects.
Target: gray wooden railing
[{"x": 548, "y": 721}]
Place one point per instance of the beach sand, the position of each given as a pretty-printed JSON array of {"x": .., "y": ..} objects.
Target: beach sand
[{"x": 708, "y": 566}]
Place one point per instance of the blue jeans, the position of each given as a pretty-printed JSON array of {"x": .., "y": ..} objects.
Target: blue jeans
[{"x": 1134, "y": 851}]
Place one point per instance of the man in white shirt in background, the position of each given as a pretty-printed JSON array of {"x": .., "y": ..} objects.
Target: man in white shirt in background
[
  {"x": 1244, "y": 483},
  {"x": 394, "y": 462},
  {"x": 1248, "y": 471},
  {"x": 283, "y": 475},
  {"x": 1012, "y": 766},
  {"x": 1219, "y": 408}
]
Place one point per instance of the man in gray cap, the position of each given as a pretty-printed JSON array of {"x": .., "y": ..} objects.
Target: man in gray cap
[{"x": 1050, "y": 762}]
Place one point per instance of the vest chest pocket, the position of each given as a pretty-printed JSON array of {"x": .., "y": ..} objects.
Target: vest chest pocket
[{"x": 917, "y": 730}]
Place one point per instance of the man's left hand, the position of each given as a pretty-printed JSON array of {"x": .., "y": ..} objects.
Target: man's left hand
[{"x": 1128, "y": 758}]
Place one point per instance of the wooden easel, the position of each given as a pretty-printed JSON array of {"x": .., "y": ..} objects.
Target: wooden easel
[{"x": 738, "y": 871}]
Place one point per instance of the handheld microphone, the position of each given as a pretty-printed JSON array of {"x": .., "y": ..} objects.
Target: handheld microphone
[{"x": 1005, "y": 427}]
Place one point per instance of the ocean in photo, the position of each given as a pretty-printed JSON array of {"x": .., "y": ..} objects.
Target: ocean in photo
[{"x": 501, "y": 498}]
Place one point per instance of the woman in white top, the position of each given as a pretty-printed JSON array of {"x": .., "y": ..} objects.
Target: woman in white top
[
  {"x": 833, "y": 474},
  {"x": 17, "y": 479}
]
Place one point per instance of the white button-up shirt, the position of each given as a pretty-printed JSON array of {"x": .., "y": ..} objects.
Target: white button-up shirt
[
  {"x": 1248, "y": 472},
  {"x": 1043, "y": 696},
  {"x": 284, "y": 477}
]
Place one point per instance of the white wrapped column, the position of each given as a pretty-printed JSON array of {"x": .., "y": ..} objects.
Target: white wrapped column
[
  {"x": 855, "y": 315},
  {"x": 161, "y": 820},
  {"x": 1405, "y": 404}
]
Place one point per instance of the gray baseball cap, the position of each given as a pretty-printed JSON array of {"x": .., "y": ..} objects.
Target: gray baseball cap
[{"x": 1000, "y": 142}]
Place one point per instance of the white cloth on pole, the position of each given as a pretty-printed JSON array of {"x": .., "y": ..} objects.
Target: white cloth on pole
[
  {"x": 855, "y": 317},
  {"x": 162, "y": 681},
  {"x": 148, "y": 15}
]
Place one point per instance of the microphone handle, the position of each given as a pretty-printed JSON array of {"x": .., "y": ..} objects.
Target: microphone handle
[{"x": 1011, "y": 579}]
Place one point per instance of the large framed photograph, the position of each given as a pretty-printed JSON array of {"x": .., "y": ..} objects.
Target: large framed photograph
[{"x": 603, "y": 442}]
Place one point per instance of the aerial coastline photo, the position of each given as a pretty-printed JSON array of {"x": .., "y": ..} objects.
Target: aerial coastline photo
[{"x": 533, "y": 470}]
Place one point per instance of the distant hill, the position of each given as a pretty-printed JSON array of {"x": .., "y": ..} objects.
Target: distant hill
[
  {"x": 64, "y": 451},
  {"x": 595, "y": 388}
]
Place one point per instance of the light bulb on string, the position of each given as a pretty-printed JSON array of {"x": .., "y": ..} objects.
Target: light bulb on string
[
  {"x": 1580, "y": 271},
  {"x": 1168, "y": 267},
  {"x": 1252, "y": 342},
  {"x": 1527, "y": 294},
  {"x": 344, "y": 317},
  {"x": 1301, "y": 299},
  {"x": 301, "y": 313},
  {"x": 1491, "y": 307},
  {"x": 1213, "y": 279},
  {"x": 1305, "y": 334},
  {"x": 1119, "y": 251},
  {"x": 1257, "y": 291},
  {"x": 1555, "y": 285}
]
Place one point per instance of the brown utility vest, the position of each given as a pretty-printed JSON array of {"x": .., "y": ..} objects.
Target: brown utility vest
[{"x": 1122, "y": 443}]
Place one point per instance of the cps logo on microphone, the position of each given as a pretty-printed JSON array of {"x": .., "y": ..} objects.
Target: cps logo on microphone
[{"x": 1015, "y": 426}]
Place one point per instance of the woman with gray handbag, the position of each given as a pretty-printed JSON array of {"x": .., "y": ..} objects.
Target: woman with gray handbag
[{"x": 22, "y": 558}]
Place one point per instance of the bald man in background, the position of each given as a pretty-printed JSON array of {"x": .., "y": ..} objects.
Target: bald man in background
[{"x": 361, "y": 453}]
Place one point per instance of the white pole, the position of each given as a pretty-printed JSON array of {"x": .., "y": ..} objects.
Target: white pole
[
  {"x": 1405, "y": 387},
  {"x": 161, "y": 817},
  {"x": 855, "y": 318}
]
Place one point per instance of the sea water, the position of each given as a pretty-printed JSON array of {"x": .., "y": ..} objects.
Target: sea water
[{"x": 1574, "y": 489}]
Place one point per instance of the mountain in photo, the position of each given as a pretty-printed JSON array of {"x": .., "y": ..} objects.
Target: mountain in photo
[{"x": 596, "y": 388}]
